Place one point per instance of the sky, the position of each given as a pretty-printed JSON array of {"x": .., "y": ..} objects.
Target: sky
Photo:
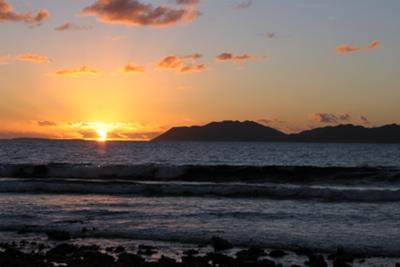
[{"x": 131, "y": 69}]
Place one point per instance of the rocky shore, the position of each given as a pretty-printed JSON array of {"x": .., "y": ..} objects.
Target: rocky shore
[{"x": 221, "y": 254}]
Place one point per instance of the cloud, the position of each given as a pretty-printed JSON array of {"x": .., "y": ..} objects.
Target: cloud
[
  {"x": 374, "y": 44},
  {"x": 32, "y": 58},
  {"x": 344, "y": 117},
  {"x": 88, "y": 134},
  {"x": 131, "y": 68},
  {"x": 84, "y": 70},
  {"x": 346, "y": 48},
  {"x": 25, "y": 57},
  {"x": 68, "y": 26},
  {"x": 324, "y": 117},
  {"x": 183, "y": 64},
  {"x": 330, "y": 118},
  {"x": 46, "y": 123},
  {"x": 135, "y": 13},
  {"x": 194, "y": 68},
  {"x": 268, "y": 121},
  {"x": 244, "y": 5},
  {"x": 7, "y": 14},
  {"x": 187, "y": 2},
  {"x": 364, "y": 120},
  {"x": 271, "y": 35},
  {"x": 236, "y": 58}
]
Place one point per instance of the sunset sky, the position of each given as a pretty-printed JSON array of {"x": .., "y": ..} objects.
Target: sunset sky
[{"x": 134, "y": 68}]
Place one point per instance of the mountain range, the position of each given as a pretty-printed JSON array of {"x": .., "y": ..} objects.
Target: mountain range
[{"x": 250, "y": 131}]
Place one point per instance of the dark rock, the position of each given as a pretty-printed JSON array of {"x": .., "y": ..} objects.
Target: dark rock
[
  {"x": 341, "y": 255},
  {"x": 190, "y": 261},
  {"x": 220, "y": 243},
  {"x": 251, "y": 254},
  {"x": 146, "y": 250},
  {"x": 277, "y": 253},
  {"x": 167, "y": 262},
  {"x": 266, "y": 263},
  {"x": 60, "y": 252},
  {"x": 82, "y": 250},
  {"x": 220, "y": 259},
  {"x": 145, "y": 247},
  {"x": 14, "y": 258},
  {"x": 316, "y": 261},
  {"x": 92, "y": 259},
  {"x": 190, "y": 252},
  {"x": 58, "y": 235},
  {"x": 119, "y": 249},
  {"x": 341, "y": 263},
  {"x": 397, "y": 264},
  {"x": 41, "y": 246},
  {"x": 303, "y": 251},
  {"x": 130, "y": 259}
]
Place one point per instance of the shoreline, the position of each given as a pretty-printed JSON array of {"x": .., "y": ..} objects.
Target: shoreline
[{"x": 58, "y": 249}]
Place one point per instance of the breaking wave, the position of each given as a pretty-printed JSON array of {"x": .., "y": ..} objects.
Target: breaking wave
[
  {"x": 200, "y": 189},
  {"x": 204, "y": 173}
]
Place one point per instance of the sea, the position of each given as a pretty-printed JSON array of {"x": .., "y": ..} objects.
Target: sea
[{"x": 276, "y": 195}]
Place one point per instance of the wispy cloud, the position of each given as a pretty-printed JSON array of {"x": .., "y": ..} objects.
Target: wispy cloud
[
  {"x": 46, "y": 123},
  {"x": 69, "y": 26},
  {"x": 268, "y": 121},
  {"x": 32, "y": 58},
  {"x": 270, "y": 35},
  {"x": 244, "y": 5},
  {"x": 344, "y": 117},
  {"x": 133, "y": 68},
  {"x": 7, "y": 14},
  {"x": 237, "y": 58},
  {"x": 82, "y": 71},
  {"x": 26, "y": 57},
  {"x": 136, "y": 13},
  {"x": 330, "y": 117},
  {"x": 183, "y": 64},
  {"x": 364, "y": 120},
  {"x": 346, "y": 48}
]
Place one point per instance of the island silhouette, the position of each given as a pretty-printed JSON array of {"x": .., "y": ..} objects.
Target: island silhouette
[{"x": 250, "y": 131}]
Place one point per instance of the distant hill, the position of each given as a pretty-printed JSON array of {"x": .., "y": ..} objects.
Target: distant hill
[
  {"x": 350, "y": 134},
  {"x": 224, "y": 131},
  {"x": 254, "y": 132}
]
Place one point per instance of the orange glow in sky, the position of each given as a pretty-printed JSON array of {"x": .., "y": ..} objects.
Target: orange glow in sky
[{"x": 88, "y": 70}]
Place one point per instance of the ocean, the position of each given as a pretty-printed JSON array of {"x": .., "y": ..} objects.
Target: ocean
[{"x": 275, "y": 195}]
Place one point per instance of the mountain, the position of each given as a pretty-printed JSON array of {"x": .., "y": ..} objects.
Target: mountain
[
  {"x": 224, "y": 131},
  {"x": 350, "y": 134},
  {"x": 254, "y": 132}
]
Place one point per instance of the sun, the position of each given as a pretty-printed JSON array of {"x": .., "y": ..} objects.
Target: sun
[{"x": 102, "y": 135}]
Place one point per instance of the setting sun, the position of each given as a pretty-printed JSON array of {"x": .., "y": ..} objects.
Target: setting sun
[{"x": 102, "y": 135}]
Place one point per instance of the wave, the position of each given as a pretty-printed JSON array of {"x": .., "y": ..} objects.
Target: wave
[
  {"x": 212, "y": 173},
  {"x": 228, "y": 190}
]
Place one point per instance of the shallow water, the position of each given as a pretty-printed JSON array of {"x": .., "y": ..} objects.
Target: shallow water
[{"x": 341, "y": 195}]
